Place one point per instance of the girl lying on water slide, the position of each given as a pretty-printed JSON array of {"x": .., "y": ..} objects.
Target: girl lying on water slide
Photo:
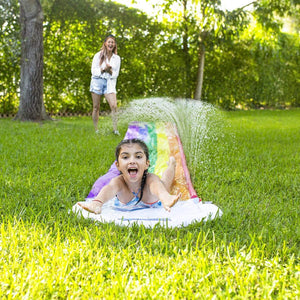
[{"x": 135, "y": 185}]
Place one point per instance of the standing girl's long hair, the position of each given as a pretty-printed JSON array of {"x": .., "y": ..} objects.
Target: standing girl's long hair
[
  {"x": 145, "y": 150},
  {"x": 103, "y": 50}
]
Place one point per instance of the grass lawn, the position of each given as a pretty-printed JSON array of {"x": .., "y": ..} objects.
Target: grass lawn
[{"x": 252, "y": 252}]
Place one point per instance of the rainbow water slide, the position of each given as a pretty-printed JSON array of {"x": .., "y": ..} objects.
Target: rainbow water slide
[{"x": 163, "y": 141}]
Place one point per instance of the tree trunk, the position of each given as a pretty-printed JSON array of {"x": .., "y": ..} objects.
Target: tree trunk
[
  {"x": 200, "y": 73},
  {"x": 31, "y": 106}
]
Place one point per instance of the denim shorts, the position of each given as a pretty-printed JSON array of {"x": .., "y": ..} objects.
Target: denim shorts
[{"x": 98, "y": 85}]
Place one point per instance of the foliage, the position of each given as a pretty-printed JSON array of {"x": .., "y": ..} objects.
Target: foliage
[
  {"x": 134, "y": 34},
  {"x": 246, "y": 68},
  {"x": 251, "y": 252},
  {"x": 268, "y": 11},
  {"x": 9, "y": 56},
  {"x": 258, "y": 71},
  {"x": 66, "y": 85}
]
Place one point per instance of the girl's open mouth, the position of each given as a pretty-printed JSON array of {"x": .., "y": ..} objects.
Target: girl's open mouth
[{"x": 132, "y": 172}]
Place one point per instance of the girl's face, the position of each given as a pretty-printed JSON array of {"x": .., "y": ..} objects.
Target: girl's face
[
  {"x": 110, "y": 44},
  {"x": 132, "y": 162}
]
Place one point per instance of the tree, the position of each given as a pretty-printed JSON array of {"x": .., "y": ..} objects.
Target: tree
[
  {"x": 208, "y": 26},
  {"x": 31, "y": 106},
  {"x": 270, "y": 13}
]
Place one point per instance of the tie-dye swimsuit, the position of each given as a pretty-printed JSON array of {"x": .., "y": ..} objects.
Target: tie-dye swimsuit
[{"x": 133, "y": 204}]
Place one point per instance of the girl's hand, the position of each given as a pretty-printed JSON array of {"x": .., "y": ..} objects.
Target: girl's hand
[
  {"x": 93, "y": 206},
  {"x": 108, "y": 69}
]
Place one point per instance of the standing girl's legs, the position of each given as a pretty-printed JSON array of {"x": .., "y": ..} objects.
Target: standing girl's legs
[
  {"x": 112, "y": 101},
  {"x": 96, "y": 108}
]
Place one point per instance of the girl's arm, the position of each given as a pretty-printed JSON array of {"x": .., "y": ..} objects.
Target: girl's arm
[
  {"x": 109, "y": 191},
  {"x": 95, "y": 69},
  {"x": 157, "y": 188},
  {"x": 106, "y": 194},
  {"x": 116, "y": 67}
]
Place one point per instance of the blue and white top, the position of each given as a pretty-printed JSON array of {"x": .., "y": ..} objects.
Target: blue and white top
[{"x": 133, "y": 204}]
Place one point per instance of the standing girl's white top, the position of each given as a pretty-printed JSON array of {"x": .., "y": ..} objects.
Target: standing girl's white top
[{"x": 115, "y": 62}]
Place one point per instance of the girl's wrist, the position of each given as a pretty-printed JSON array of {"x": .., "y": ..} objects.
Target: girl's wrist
[{"x": 97, "y": 200}]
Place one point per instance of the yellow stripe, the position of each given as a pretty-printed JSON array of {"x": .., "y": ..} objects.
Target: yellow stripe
[{"x": 163, "y": 150}]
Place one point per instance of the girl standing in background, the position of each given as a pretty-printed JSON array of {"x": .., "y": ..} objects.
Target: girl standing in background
[{"x": 105, "y": 71}]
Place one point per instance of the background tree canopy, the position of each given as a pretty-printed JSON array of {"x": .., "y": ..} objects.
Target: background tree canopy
[{"x": 250, "y": 62}]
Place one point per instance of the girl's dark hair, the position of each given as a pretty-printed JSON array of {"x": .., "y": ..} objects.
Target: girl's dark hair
[
  {"x": 146, "y": 151},
  {"x": 132, "y": 141}
]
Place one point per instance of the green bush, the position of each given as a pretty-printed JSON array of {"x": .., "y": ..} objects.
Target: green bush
[{"x": 257, "y": 69}]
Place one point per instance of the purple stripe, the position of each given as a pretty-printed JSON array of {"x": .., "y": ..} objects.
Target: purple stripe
[{"x": 137, "y": 130}]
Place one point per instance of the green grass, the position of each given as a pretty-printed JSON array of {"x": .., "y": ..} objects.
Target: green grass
[{"x": 252, "y": 252}]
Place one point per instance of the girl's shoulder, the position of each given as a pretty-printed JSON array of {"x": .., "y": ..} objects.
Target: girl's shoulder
[
  {"x": 152, "y": 177},
  {"x": 118, "y": 180},
  {"x": 116, "y": 184},
  {"x": 97, "y": 55},
  {"x": 116, "y": 56}
]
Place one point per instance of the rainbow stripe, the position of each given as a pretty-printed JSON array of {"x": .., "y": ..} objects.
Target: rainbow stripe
[{"x": 163, "y": 141}]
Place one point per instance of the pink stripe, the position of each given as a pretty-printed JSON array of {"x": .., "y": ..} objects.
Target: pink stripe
[{"x": 185, "y": 169}]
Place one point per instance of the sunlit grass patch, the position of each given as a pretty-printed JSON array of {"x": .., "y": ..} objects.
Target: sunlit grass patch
[
  {"x": 44, "y": 263},
  {"x": 251, "y": 252}
]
